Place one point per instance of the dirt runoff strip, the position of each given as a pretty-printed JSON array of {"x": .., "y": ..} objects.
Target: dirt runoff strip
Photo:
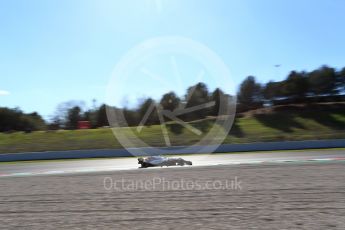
[{"x": 268, "y": 196}]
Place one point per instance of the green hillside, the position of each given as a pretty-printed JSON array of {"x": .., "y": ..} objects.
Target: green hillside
[{"x": 274, "y": 124}]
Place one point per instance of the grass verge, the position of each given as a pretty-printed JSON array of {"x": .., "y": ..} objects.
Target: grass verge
[{"x": 277, "y": 126}]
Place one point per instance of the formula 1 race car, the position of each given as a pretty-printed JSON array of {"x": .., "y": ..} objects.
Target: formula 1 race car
[{"x": 154, "y": 161}]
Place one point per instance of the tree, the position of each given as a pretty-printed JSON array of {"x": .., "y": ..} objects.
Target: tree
[
  {"x": 272, "y": 90},
  {"x": 323, "y": 81},
  {"x": 148, "y": 108},
  {"x": 131, "y": 117},
  {"x": 36, "y": 121},
  {"x": 101, "y": 116},
  {"x": 91, "y": 116},
  {"x": 216, "y": 96},
  {"x": 9, "y": 119},
  {"x": 15, "y": 119},
  {"x": 62, "y": 112},
  {"x": 250, "y": 93},
  {"x": 296, "y": 85},
  {"x": 341, "y": 81},
  {"x": 55, "y": 123},
  {"x": 73, "y": 116},
  {"x": 170, "y": 101},
  {"x": 197, "y": 95}
]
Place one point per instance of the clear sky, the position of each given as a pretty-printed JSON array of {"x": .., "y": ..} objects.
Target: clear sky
[{"x": 58, "y": 50}]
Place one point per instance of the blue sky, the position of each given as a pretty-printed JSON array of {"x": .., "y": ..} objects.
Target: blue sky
[{"x": 55, "y": 51}]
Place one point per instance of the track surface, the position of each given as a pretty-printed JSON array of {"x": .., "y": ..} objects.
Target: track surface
[
  {"x": 291, "y": 195},
  {"x": 130, "y": 163}
]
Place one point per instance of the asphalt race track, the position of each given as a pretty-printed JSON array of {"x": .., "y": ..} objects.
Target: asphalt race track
[
  {"x": 130, "y": 163},
  {"x": 276, "y": 190}
]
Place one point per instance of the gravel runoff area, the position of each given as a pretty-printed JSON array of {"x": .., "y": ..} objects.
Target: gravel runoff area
[{"x": 269, "y": 196}]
